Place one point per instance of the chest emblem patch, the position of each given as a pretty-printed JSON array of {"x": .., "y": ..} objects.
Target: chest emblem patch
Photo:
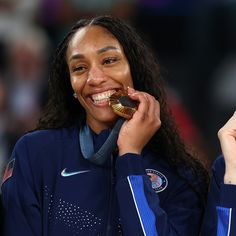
[{"x": 159, "y": 181}]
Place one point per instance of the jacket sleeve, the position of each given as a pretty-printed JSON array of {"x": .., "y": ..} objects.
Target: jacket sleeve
[
  {"x": 141, "y": 210},
  {"x": 20, "y": 202},
  {"x": 220, "y": 215}
]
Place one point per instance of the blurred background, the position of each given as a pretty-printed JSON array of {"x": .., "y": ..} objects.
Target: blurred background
[{"x": 194, "y": 41}]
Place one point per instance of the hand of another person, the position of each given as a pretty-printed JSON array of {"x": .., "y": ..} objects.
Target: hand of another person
[
  {"x": 136, "y": 132},
  {"x": 227, "y": 137}
]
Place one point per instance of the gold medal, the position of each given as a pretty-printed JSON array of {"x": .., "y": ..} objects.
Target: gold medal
[{"x": 122, "y": 104}]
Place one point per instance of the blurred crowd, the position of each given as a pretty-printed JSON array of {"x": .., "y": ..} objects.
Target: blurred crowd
[{"x": 195, "y": 43}]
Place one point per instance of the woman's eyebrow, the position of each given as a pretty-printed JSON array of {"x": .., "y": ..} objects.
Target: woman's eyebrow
[
  {"x": 107, "y": 48},
  {"x": 76, "y": 56},
  {"x": 99, "y": 51}
]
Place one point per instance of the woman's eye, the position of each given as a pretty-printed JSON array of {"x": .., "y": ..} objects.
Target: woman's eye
[
  {"x": 109, "y": 60},
  {"x": 78, "y": 68}
]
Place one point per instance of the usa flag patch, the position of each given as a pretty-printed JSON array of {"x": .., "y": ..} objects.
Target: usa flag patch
[{"x": 8, "y": 171}]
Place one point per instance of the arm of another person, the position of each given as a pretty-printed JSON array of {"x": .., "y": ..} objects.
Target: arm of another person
[
  {"x": 20, "y": 202},
  {"x": 227, "y": 211},
  {"x": 220, "y": 213}
]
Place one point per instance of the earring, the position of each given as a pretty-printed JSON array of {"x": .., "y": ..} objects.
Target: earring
[{"x": 75, "y": 95}]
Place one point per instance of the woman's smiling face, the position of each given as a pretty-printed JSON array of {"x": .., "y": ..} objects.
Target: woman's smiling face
[{"x": 98, "y": 67}]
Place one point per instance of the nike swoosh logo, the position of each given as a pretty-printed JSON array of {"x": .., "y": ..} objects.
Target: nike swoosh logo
[{"x": 67, "y": 174}]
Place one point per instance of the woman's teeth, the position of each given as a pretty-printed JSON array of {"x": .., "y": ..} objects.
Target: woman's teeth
[{"x": 102, "y": 97}]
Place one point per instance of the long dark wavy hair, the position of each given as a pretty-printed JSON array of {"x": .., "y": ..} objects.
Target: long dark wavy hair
[{"x": 62, "y": 110}]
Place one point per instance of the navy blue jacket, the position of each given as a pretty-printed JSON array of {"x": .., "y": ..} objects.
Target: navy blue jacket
[
  {"x": 54, "y": 191},
  {"x": 220, "y": 216}
]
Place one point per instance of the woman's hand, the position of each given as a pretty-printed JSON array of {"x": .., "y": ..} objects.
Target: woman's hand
[
  {"x": 136, "y": 132},
  {"x": 227, "y": 137}
]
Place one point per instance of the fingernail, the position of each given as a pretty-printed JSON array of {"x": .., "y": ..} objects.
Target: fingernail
[
  {"x": 130, "y": 90},
  {"x": 132, "y": 94}
]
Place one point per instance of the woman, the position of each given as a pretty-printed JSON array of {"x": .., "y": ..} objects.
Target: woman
[
  {"x": 147, "y": 185},
  {"x": 220, "y": 213}
]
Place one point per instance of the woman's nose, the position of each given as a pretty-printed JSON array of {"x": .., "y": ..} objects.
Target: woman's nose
[{"x": 96, "y": 76}]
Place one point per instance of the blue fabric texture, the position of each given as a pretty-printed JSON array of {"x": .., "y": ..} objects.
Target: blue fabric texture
[
  {"x": 224, "y": 221},
  {"x": 146, "y": 215}
]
